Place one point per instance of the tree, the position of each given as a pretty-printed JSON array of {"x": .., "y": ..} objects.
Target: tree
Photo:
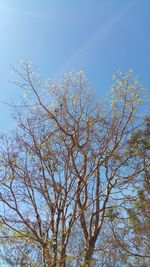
[
  {"x": 66, "y": 161},
  {"x": 133, "y": 235}
]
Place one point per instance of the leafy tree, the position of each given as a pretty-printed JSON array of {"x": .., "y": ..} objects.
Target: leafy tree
[
  {"x": 65, "y": 163},
  {"x": 133, "y": 235}
]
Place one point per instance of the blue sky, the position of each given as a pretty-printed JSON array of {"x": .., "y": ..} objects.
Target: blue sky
[{"x": 97, "y": 36}]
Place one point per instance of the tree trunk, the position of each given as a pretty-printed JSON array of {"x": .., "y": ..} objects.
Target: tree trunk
[
  {"x": 46, "y": 257},
  {"x": 63, "y": 256},
  {"x": 88, "y": 255}
]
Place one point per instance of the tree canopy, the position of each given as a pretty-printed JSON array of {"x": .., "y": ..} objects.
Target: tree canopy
[{"x": 68, "y": 170}]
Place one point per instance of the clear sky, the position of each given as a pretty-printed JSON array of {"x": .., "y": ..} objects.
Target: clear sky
[{"x": 97, "y": 36}]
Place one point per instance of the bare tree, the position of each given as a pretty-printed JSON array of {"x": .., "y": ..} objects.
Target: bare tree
[{"x": 67, "y": 161}]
